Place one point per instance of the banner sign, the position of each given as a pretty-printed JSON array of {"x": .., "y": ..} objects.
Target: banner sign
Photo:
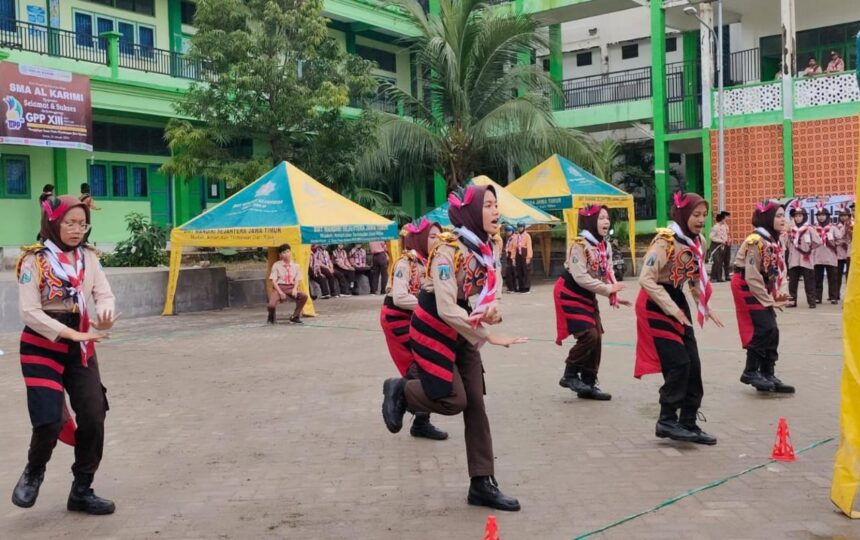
[
  {"x": 45, "y": 107},
  {"x": 833, "y": 203},
  {"x": 348, "y": 234},
  {"x": 551, "y": 204}
]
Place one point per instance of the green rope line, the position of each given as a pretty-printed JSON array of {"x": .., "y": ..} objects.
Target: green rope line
[{"x": 692, "y": 492}]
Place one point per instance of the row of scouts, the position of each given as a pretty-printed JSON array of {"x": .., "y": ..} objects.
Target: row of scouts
[{"x": 444, "y": 303}]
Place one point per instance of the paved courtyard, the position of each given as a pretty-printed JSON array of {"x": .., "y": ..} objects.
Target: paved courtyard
[{"x": 222, "y": 427}]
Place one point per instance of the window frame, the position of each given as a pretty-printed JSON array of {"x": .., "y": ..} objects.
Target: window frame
[
  {"x": 4, "y": 186},
  {"x": 583, "y": 55},
  {"x": 112, "y": 4},
  {"x": 80, "y": 36},
  {"x": 148, "y": 51},
  {"x": 220, "y": 196},
  {"x": 674, "y": 41},
  {"x": 129, "y": 167},
  {"x": 628, "y": 47}
]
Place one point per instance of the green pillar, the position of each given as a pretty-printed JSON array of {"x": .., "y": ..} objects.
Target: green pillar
[
  {"x": 61, "y": 171},
  {"x": 433, "y": 7},
  {"x": 440, "y": 189},
  {"x": 349, "y": 35},
  {"x": 707, "y": 175},
  {"x": 556, "y": 59},
  {"x": 788, "y": 156},
  {"x": 113, "y": 52},
  {"x": 691, "y": 79},
  {"x": 693, "y": 173},
  {"x": 174, "y": 24},
  {"x": 658, "y": 101}
]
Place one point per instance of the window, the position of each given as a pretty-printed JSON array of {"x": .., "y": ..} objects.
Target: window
[
  {"x": 7, "y": 15},
  {"x": 126, "y": 41},
  {"x": 98, "y": 180},
  {"x": 146, "y": 39},
  {"x": 122, "y": 138},
  {"x": 16, "y": 177},
  {"x": 213, "y": 191},
  {"x": 139, "y": 177},
  {"x": 146, "y": 7},
  {"x": 119, "y": 181},
  {"x": 103, "y": 25},
  {"x": 188, "y": 11},
  {"x": 83, "y": 30},
  {"x": 583, "y": 59},
  {"x": 630, "y": 51},
  {"x": 671, "y": 44},
  {"x": 385, "y": 60}
]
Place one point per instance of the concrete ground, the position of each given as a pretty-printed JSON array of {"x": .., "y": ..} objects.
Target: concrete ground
[{"x": 222, "y": 427}]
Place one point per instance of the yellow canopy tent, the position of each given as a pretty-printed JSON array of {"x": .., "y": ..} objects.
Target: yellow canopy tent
[
  {"x": 513, "y": 210},
  {"x": 559, "y": 184},
  {"x": 284, "y": 206}
]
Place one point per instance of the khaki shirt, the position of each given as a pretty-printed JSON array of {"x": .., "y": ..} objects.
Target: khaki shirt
[
  {"x": 582, "y": 263},
  {"x": 668, "y": 262},
  {"x": 285, "y": 275},
  {"x": 825, "y": 253},
  {"x": 758, "y": 257},
  {"x": 33, "y": 299},
  {"x": 800, "y": 254},
  {"x": 520, "y": 242},
  {"x": 449, "y": 283},
  {"x": 720, "y": 233},
  {"x": 407, "y": 280}
]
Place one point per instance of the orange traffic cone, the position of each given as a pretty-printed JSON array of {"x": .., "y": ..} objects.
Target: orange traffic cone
[
  {"x": 782, "y": 449},
  {"x": 491, "y": 529}
]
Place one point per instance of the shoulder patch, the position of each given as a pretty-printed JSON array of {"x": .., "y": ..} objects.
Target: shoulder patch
[
  {"x": 26, "y": 277},
  {"x": 753, "y": 239},
  {"x": 651, "y": 261},
  {"x": 444, "y": 272},
  {"x": 399, "y": 273}
]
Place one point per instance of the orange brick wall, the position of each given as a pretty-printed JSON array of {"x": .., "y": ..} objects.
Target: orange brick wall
[
  {"x": 754, "y": 171},
  {"x": 825, "y": 156}
]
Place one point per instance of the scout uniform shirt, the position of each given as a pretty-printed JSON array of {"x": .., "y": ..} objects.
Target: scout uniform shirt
[
  {"x": 720, "y": 233},
  {"x": 801, "y": 242},
  {"x": 38, "y": 292},
  {"x": 843, "y": 242},
  {"x": 671, "y": 262},
  {"x": 520, "y": 243},
  {"x": 285, "y": 274},
  {"x": 583, "y": 264},
  {"x": 407, "y": 280},
  {"x": 758, "y": 258},
  {"x": 825, "y": 253}
]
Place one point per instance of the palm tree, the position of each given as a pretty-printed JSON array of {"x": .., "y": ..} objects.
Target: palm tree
[{"x": 487, "y": 107}]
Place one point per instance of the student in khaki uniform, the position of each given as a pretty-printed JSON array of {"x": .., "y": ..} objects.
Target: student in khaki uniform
[
  {"x": 759, "y": 288},
  {"x": 800, "y": 241},
  {"x": 824, "y": 256},
  {"x": 57, "y": 280},
  {"x": 285, "y": 278},
  {"x": 665, "y": 339},
  {"x": 588, "y": 272},
  {"x": 520, "y": 250},
  {"x": 447, "y": 330},
  {"x": 843, "y": 245},
  {"x": 409, "y": 276},
  {"x": 721, "y": 249}
]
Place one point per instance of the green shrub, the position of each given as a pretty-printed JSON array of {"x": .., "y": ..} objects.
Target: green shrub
[{"x": 145, "y": 245}]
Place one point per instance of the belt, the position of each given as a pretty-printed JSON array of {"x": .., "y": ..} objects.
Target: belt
[
  {"x": 66, "y": 317},
  {"x": 739, "y": 270}
]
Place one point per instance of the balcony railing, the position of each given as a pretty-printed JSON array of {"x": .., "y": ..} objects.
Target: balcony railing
[
  {"x": 744, "y": 67},
  {"x": 683, "y": 96},
  {"x": 30, "y": 37},
  {"x": 616, "y": 87}
]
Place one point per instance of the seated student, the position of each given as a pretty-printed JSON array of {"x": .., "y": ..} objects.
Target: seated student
[
  {"x": 343, "y": 271},
  {"x": 285, "y": 278},
  {"x": 358, "y": 259},
  {"x": 322, "y": 271}
]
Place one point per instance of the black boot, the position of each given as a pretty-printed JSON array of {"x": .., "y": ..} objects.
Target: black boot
[
  {"x": 592, "y": 391},
  {"x": 668, "y": 426},
  {"x": 571, "y": 380},
  {"x": 753, "y": 377},
  {"x": 688, "y": 422},
  {"x": 271, "y": 319},
  {"x": 27, "y": 489},
  {"x": 393, "y": 404},
  {"x": 780, "y": 387},
  {"x": 484, "y": 491},
  {"x": 83, "y": 499},
  {"x": 422, "y": 428}
]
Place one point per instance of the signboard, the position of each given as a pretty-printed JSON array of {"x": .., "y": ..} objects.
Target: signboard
[
  {"x": 833, "y": 203},
  {"x": 551, "y": 204},
  {"x": 45, "y": 107}
]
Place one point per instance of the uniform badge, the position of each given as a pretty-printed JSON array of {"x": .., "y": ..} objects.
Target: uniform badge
[
  {"x": 651, "y": 261},
  {"x": 26, "y": 277},
  {"x": 399, "y": 274},
  {"x": 444, "y": 272}
]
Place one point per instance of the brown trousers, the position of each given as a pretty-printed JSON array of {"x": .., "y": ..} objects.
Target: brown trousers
[
  {"x": 584, "y": 356},
  {"x": 467, "y": 396},
  {"x": 301, "y": 299}
]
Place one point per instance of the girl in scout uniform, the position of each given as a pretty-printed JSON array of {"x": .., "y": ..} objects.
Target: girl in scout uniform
[
  {"x": 407, "y": 280},
  {"x": 801, "y": 241},
  {"x": 759, "y": 287},
  {"x": 588, "y": 272},
  {"x": 843, "y": 245},
  {"x": 665, "y": 339},
  {"x": 447, "y": 330},
  {"x": 824, "y": 256},
  {"x": 57, "y": 280}
]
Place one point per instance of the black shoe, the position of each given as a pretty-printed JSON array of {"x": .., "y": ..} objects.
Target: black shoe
[
  {"x": 811, "y": 306},
  {"x": 393, "y": 404},
  {"x": 296, "y": 320},
  {"x": 27, "y": 489},
  {"x": 422, "y": 428},
  {"x": 574, "y": 383},
  {"x": 594, "y": 392},
  {"x": 484, "y": 491},
  {"x": 671, "y": 429},
  {"x": 701, "y": 436},
  {"x": 834, "y": 302},
  {"x": 83, "y": 499},
  {"x": 779, "y": 386},
  {"x": 757, "y": 381},
  {"x": 271, "y": 319}
]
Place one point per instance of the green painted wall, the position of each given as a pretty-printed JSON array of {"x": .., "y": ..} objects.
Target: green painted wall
[
  {"x": 21, "y": 216},
  {"x": 608, "y": 114}
]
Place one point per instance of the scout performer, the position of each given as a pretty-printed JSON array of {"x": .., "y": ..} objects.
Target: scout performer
[
  {"x": 843, "y": 245},
  {"x": 285, "y": 278},
  {"x": 759, "y": 288},
  {"x": 447, "y": 332},
  {"x": 824, "y": 256},
  {"x": 521, "y": 253},
  {"x": 57, "y": 280},
  {"x": 408, "y": 277},
  {"x": 720, "y": 248},
  {"x": 665, "y": 338},
  {"x": 588, "y": 272},
  {"x": 800, "y": 242}
]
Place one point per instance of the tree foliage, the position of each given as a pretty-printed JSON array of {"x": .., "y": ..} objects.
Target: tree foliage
[
  {"x": 145, "y": 245},
  {"x": 274, "y": 76}
]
